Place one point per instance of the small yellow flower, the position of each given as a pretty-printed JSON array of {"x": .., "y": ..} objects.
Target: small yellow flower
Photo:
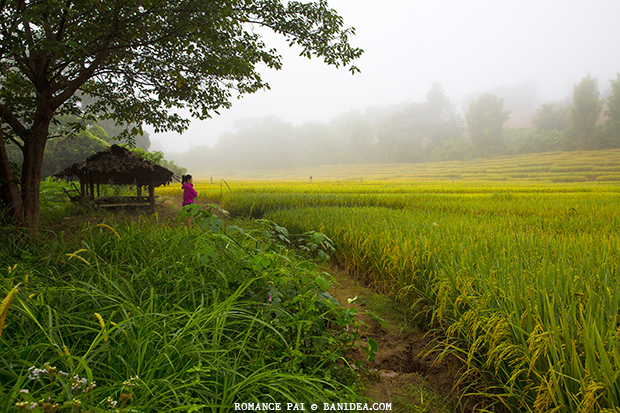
[
  {"x": 4, "y": 307},
  {"x": 74, "y": 255},
  {"x": 110, "y": 228},
  {"x": 102, "y": 324},
  {"x": 65, "y": 352}
]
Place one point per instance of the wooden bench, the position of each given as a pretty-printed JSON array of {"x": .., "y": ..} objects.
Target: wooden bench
[{"x": 122, "y": 201}]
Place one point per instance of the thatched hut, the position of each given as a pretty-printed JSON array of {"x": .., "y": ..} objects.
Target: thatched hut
[{"x": 117, "y": 166}]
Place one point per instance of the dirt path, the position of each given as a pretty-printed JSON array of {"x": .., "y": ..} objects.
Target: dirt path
[{"x": 403, "y": 372}]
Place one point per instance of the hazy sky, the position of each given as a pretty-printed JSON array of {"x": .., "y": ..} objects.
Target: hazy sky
[{"x": 467, "y": 46}]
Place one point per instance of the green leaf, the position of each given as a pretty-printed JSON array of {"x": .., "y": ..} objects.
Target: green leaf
[{"x": 378, "y": 319}]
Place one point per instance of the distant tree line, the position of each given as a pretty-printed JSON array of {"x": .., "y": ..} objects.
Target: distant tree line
[{"x": 418, "y": 132}]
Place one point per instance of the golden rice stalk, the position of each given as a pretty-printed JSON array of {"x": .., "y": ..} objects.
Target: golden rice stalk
[
  {"x": 110, "y": 228},
  {"x": 544, "y": 399},
  {"x": 592, "y": 393},
  {"x": 4, "y": 307},
  {"x": 473, "y": 349},
  {"x": 537, "y": 345}
]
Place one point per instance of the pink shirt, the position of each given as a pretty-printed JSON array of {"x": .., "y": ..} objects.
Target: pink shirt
[{"x": 189, "y": 193}]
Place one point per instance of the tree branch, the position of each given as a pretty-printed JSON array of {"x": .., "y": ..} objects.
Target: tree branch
[
  {"x": 63, "y": 21},
  {"x": 13, "y": 122}
]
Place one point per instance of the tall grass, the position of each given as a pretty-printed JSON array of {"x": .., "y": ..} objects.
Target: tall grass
[{"x": 156, "y": 316}]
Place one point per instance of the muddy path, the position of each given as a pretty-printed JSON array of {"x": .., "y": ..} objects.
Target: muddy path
[{"x": 405, "y": 371}]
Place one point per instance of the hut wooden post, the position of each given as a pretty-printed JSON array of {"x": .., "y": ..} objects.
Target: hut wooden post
[
  {"x": 152, "y": 192},
  {"x": 91, "y": 184}
]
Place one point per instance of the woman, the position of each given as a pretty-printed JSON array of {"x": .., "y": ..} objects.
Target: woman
[{"x": 189, "y": 193}]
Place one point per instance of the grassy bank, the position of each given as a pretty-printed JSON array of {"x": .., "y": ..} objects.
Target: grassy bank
[{"x": 151, "y": 316}]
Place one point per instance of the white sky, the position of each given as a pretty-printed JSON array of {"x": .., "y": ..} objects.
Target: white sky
[{"x": 467, "y": 46}]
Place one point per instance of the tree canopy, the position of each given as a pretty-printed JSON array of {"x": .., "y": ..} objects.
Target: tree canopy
[
  {"x": 612, "y": 112},
  {"x": 551, "y": 116},
  {"x": 139, "y": 62},
  {"x": 584, "y": 114},
  {"x": 485, "y": 121}
]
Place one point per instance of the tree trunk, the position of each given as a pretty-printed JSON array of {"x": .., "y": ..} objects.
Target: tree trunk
[
  {"x": 31, "y": 179},
  {"x": 10, "y": 190},
  {"x": 23, "y": 206}
]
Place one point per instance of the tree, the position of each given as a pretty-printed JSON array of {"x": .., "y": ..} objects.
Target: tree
[
  {"x": 612, "y": 112},
  {"x": 584, "y": 114},
  {"x": 141, "y": 140},
  {"x": 355, "y": 137},
  {"x": 61, "y": 153},
  {"x": 257, "y": 144},
  {"x": 398, "y": 138},
  {"x": 549, "y": 117},
  {"x": 442, "y": 124},
  {"x": 485, "y": 121},
  {"x": 412, "y": 134},
  {"x": 139, "y": 60},
  {"x": 317, "y": 144}
]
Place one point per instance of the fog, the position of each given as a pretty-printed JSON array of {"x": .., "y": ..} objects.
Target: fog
[{"x": 541, "y": 47}]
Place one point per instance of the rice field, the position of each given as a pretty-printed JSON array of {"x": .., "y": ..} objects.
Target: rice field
[
  {"x": 548, "y": 167},
  {"x": 529, "y": 303},
  {"x": 519, "y": 271}
]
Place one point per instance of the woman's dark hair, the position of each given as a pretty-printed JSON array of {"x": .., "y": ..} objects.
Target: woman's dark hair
[{"x": 185, "y": 178}]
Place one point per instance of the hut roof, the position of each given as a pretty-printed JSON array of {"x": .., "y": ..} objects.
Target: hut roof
[{"x": 117, "y": 165}]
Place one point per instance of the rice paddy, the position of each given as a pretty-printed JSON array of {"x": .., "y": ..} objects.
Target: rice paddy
[
  {"x": 548, "y": 167},
  {"x": 515, "y": 260}
]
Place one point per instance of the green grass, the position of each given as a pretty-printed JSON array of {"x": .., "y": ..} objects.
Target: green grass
[
  {"x": 156, "y": 316},
  {"x": 418, "y": 399}
]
